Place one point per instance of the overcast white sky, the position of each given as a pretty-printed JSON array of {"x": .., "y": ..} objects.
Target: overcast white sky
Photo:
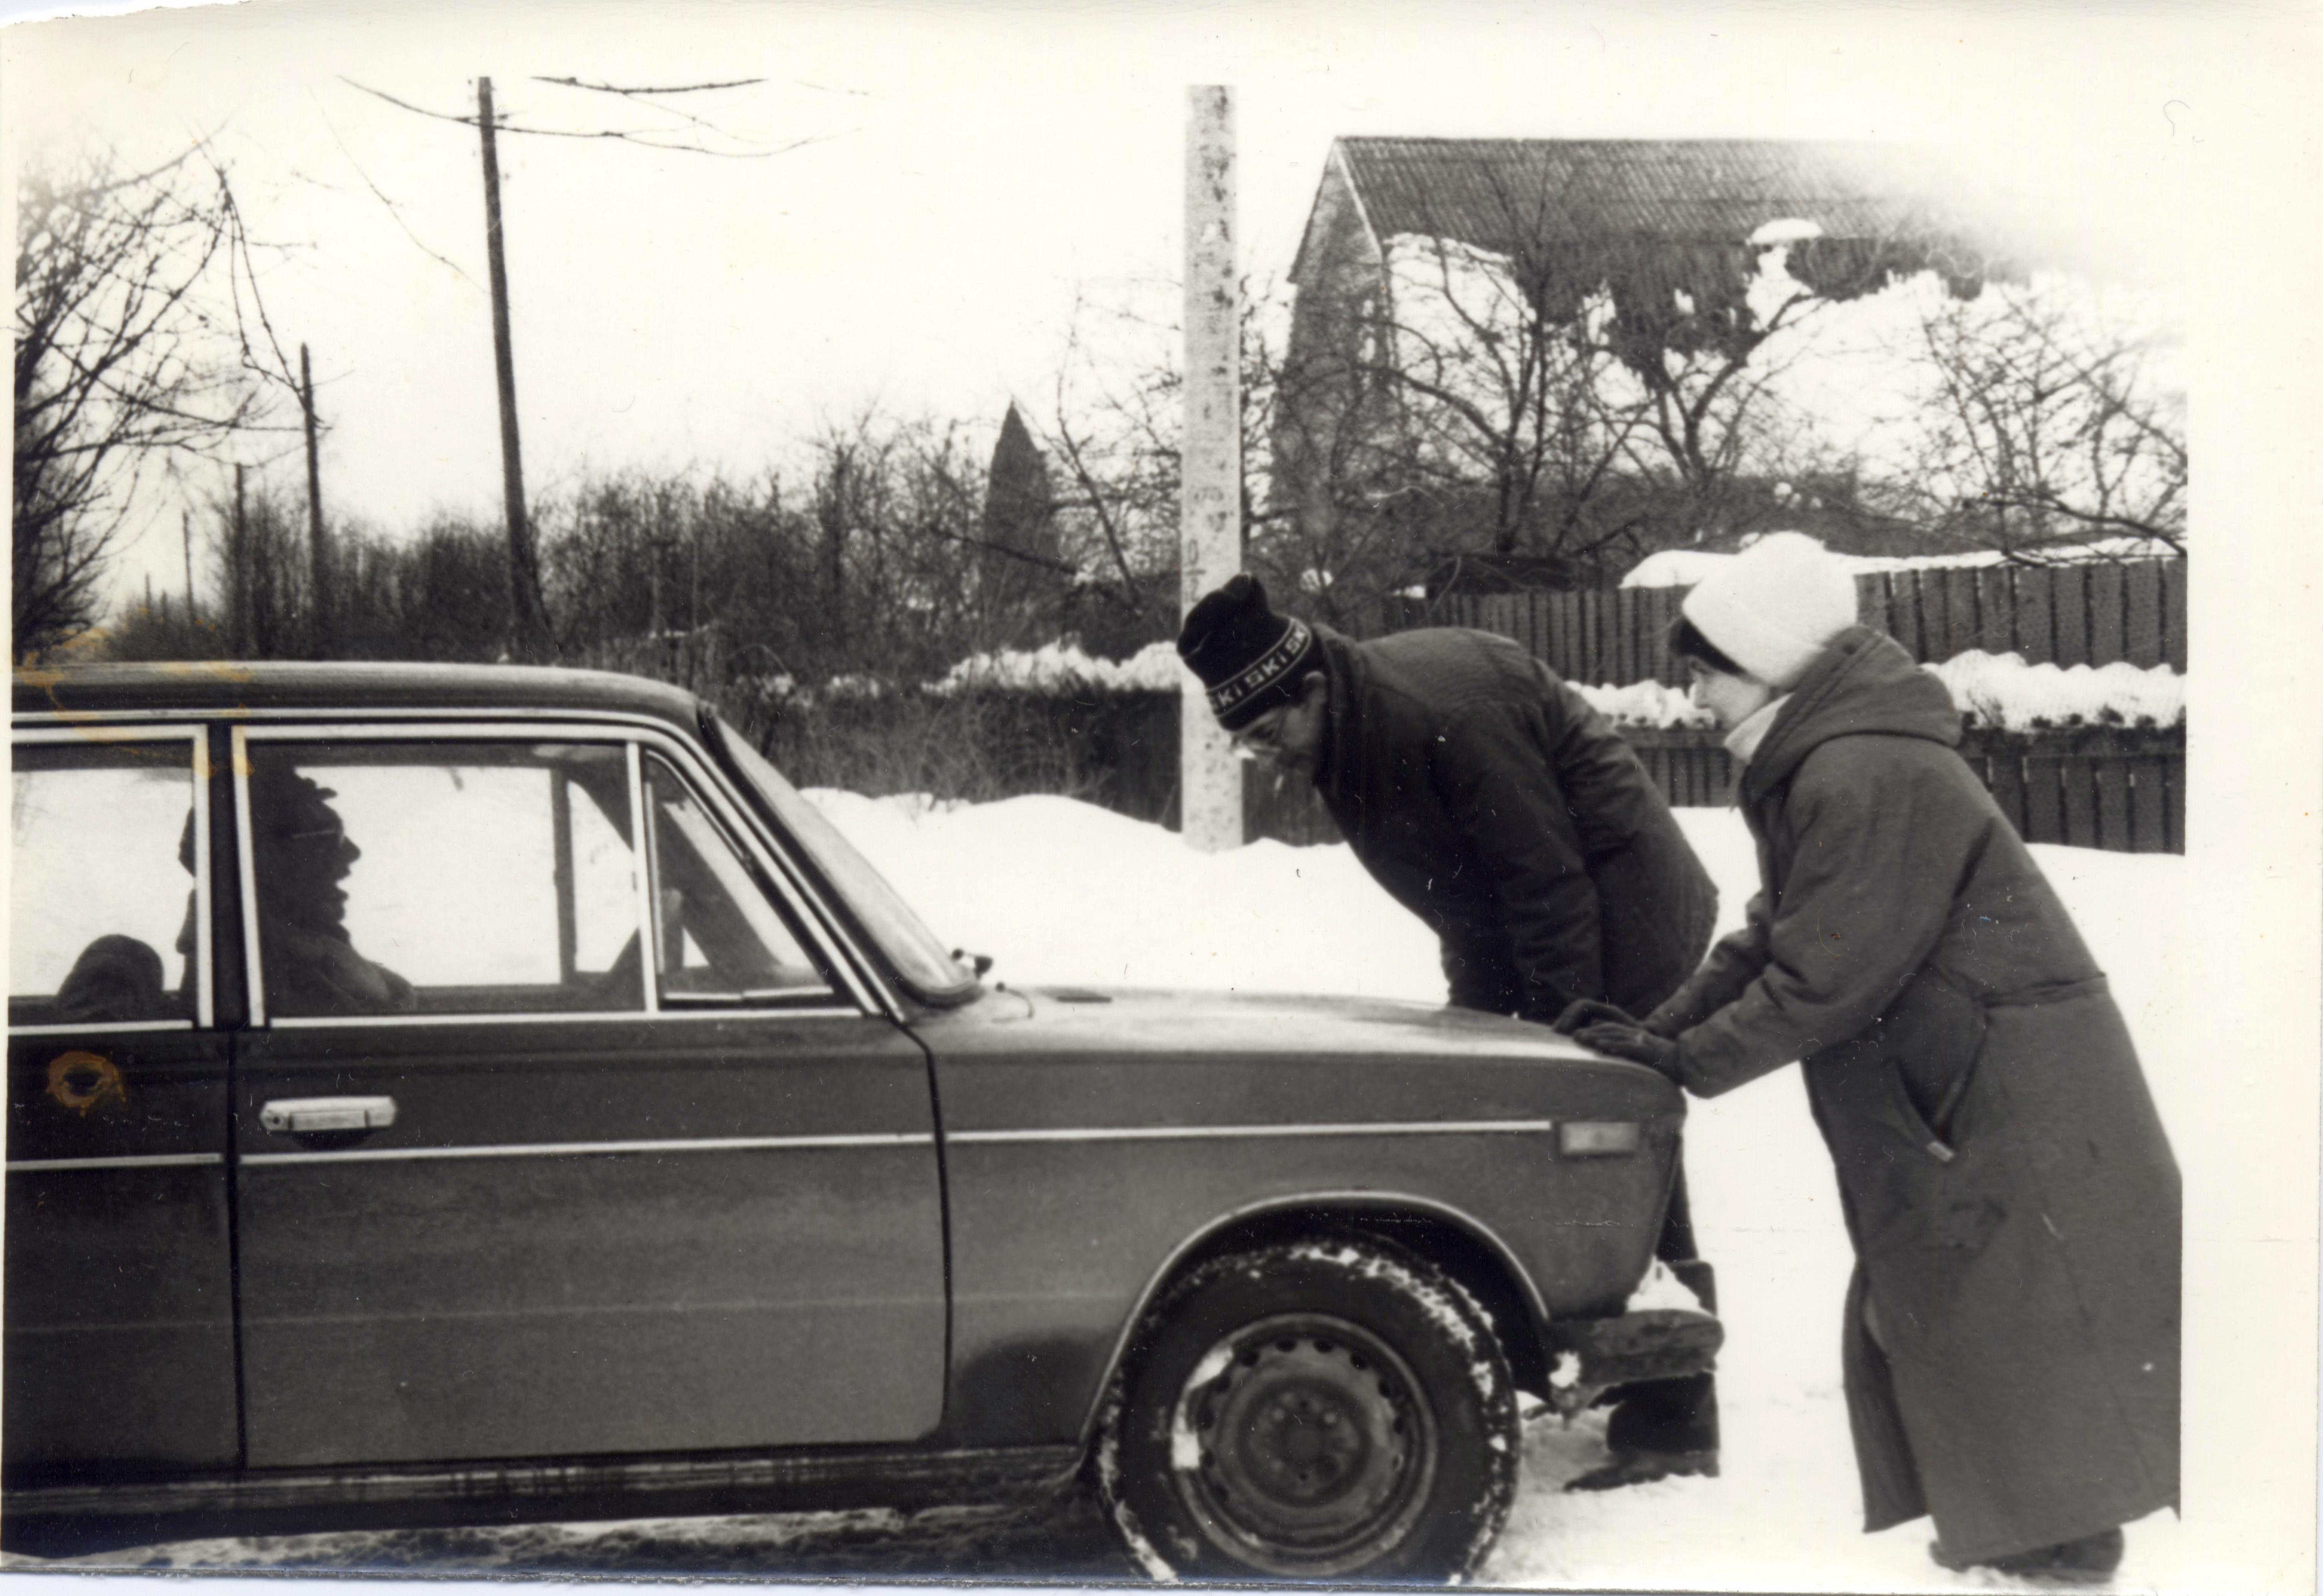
[{"x": 973, "y": 168}]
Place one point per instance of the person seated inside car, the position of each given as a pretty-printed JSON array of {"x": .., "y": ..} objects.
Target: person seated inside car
[
  {"x": 302, "y": 854},
  {"x": 115, "y": 979},
  {"x": 119, "y": 978}
]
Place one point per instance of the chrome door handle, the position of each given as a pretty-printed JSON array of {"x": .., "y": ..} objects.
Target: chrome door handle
[{"x": 305, "y": 1117}]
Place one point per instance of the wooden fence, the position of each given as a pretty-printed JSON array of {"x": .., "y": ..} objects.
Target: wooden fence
[
  {"x": 2066, "y": 615},
  {"x": 2093, "y": 787}
]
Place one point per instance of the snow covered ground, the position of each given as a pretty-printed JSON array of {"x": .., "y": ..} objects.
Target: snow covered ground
[{"x": 1059, "y": 889}]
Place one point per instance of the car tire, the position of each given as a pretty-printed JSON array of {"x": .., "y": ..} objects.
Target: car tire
[{"x": 1334, "y": 1408}]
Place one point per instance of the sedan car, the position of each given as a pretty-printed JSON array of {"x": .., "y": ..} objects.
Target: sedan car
[{"x": 469, "y": 1095}]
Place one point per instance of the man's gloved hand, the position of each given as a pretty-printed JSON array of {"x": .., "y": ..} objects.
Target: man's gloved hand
[
  {"x": 1632, "y": 1042},
  {"x": 1589, "y": 1011}
]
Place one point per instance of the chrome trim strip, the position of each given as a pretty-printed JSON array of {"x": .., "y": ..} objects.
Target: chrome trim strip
[
  {"x": 205, "y": 1001},
  {"x": 341, "y": 730},
  {"x": 153, "y": 1160},
  {"x": 94, "y": 1027},
  {"x": 379, "y": 1155},
  {"x": 254, "y": 977},
  {"x": 641, "y": 876},
  {"x": 553, "y": 1017},
  {"x": 161, "y": 727},
  {"x": 962, "y": 1473},
  {"x": 35, "y": 720},
  {"x": 1445, "y": 1127}
]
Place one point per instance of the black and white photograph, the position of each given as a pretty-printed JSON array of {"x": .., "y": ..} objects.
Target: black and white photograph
[{"x": 1103, "y": 794}]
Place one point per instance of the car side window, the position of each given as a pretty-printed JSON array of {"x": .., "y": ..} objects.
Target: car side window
[
  {"x": 445, "y": 877},
  {"x": 717, "y": 936},
  {"x": 103, "y": 910}
]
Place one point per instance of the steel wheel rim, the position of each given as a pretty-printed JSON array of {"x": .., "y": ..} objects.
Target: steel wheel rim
[{"x": 1301, "y": 1442}]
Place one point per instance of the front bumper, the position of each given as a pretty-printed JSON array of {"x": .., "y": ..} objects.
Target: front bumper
[{"x": 1588, "y": 1357}]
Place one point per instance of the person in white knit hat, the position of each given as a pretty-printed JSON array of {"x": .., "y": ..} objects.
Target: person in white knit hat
[{"x": 2011, "y": 1335}]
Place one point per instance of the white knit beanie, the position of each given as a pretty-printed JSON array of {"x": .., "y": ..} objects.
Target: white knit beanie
[{"x": 1773, "y": 607}]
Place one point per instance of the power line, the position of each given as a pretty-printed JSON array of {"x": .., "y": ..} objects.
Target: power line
[
  {"x": 679, "y": 88},
  {"x": 639, "y": 136}
]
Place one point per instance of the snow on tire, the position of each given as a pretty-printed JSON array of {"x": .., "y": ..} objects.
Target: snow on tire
[{"x": 1330, "y": 1408}]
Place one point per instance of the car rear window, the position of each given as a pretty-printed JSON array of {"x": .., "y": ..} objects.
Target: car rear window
[{"x": 103, "y": 915}]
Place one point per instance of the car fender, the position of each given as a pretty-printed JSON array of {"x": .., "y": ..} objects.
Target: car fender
[{"x": 1252, "y": 1220}]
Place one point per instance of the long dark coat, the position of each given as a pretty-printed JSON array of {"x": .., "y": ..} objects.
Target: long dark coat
[
  {"x": 1490, "y": 799},
  {"x": 2012, "y": 1199}
]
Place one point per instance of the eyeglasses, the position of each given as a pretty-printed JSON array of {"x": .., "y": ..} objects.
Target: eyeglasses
[{"x": 1262, "y": 736}]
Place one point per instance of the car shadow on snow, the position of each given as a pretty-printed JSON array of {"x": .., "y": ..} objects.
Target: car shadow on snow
[{"x": 1065, "y": 1541}]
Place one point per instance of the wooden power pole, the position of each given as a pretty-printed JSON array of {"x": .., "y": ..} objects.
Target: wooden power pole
[
  {"x": 318, "y": 553},
  {"x": 238, "y": 577},
  {"x": 527, "y": 622},
  {"x": 1209, "y": 510},
  {"x": 185, "y": 526}
]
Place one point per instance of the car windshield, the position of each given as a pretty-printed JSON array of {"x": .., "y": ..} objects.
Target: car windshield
[{"x": 918, "y": 957}]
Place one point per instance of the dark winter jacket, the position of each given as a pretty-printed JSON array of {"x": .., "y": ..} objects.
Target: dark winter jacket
[
  {"x": 1495, "y": 803},
  {"x": 2005, "y": 1177}
]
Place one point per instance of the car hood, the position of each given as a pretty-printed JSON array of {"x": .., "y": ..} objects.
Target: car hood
[
  {"x": 1123, "y": 1021},
  {"x": 1082, "y": 1056}
]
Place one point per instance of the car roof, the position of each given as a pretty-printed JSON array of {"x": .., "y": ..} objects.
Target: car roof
[{"x": 210, "y": 686}]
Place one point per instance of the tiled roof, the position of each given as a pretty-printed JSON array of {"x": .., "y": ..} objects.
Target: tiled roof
[{"x": 1503, "y": 194}]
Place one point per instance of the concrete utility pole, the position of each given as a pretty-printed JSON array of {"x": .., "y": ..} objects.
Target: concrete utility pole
[
  {"x": 527, "y": 625},
  {"x": 319, "y": 554},
  {"x": 1210, "y": 510}
]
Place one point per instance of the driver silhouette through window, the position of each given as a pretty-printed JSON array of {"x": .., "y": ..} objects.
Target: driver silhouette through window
[{"x": 302, "y": 856}]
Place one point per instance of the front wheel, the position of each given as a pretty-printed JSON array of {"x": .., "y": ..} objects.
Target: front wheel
[{"x": 1329, "y": 1408}]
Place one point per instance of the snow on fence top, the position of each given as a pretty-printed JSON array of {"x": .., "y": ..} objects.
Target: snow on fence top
[
  {"x": 2000, "y": 690},
  {"x": 1644, "y": 704},
  {"x": 1683, "y": 567},
  {"x": 1996, "y": 691},
  {"x": 1060, "y": 667}
]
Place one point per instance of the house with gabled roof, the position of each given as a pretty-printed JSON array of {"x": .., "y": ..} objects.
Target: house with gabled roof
[{"x": 1665, "y": 237}]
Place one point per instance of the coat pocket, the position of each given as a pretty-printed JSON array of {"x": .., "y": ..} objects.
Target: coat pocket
[
  {"x": 1932, "y": 1062},
  {"x": 1930, "y": 1039}
]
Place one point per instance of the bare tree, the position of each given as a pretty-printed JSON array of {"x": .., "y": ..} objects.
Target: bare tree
[
  {"x": 2046, "y": 427},
  {"x": 140, "y": 343},
  {"x": 1112, "y": 432},
  {"x": 1503, "y": 415}
]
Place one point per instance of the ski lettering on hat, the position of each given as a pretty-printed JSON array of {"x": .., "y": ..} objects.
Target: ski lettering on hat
[{"x": 1269, "y": 666}]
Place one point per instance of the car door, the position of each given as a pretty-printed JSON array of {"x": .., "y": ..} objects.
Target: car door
[
  {"x": 560, "y": 1128},
  {"x": 118, "y": 1341}
]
